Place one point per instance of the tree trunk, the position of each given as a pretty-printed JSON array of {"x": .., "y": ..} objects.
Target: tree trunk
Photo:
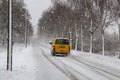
[
  {"x": 62, "y": 34},
  {"x": 76, "y": 34},
  {"x": 91, "y": 42},
  {"x": 81, "y": 39},
  {"x": 76, "y": 44},
  {"x": 70, "y": 37},
  {"x": 3, "y": 42},
  {"x": 118, "y": 1},
  {"x": 119, "y": 32},
  {"x": 103, "y": 44},
  {"x": 26, "y": 31}
]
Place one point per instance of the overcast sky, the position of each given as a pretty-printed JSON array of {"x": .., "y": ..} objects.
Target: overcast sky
[{"x": 36, "y": 8}]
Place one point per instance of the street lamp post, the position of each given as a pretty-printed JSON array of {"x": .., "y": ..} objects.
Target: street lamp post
[{"x": 9, "y": 49}]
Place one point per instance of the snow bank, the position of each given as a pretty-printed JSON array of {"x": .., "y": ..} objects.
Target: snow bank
[
  {"x": 22, "y": 64},
  {"x": 110, "y": 62},
  {"x": 3, "y": 59}
]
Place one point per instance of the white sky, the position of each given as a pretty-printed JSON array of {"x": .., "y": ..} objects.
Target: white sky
[{"x": 36, "y": 8}]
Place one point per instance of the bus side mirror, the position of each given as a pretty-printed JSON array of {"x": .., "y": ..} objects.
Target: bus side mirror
[{"x": 50, "y": 42}]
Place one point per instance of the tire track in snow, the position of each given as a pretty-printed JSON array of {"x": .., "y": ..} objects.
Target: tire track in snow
[
  {"x": 97, "y": 68},
  {"x": 73, "y": 70},
  {"x": 68, "y": 69},
  {"x": 67, "y": 72},
  {"x": 44, "y": 70}
]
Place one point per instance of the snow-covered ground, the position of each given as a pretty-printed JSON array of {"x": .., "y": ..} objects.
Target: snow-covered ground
[
  {"x": 36, "y": 63},
  {"x": 109, "y": 61},
  {"x": 22, "y": 67}
]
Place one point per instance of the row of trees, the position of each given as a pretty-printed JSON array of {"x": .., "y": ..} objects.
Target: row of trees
[
  {"x": 82, "y": 21},
  {"x": 21, "y": 18}
]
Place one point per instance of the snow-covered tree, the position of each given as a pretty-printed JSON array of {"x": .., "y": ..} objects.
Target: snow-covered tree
[
  {"x": 19, "y": 19},
  {"x": 90, "y": 17},
  {"x": 106, "y": 16}
]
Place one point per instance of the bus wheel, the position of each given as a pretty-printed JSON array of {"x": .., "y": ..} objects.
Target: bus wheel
[{"x": 53, "y": 53}]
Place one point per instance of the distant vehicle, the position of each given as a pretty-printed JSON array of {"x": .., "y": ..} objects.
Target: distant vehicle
[{"x": 60, "y": 46}]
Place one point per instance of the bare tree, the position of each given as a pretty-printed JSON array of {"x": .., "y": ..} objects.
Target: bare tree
[
  {"x": 117, "y": 15},
  {"x": 105, "y": 17},
  {"x": 89, "y": 17},
  {"x": 92, "y": 17}
]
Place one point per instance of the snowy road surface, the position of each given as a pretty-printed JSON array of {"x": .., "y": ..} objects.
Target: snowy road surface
[{"x": 36, "y": 63}]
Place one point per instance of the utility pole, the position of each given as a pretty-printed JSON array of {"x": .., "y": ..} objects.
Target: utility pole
[{"x": 9, "y": 48}]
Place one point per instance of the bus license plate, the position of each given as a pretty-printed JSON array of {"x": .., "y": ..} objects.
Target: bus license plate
[{"x": 61, "y": 46}]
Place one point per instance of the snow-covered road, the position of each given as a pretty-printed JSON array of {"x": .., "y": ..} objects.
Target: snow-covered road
[
  {"x": 44, "y": 69},
  {"x": 77, "y": 68},
  {"x": 36, "y": 63}
]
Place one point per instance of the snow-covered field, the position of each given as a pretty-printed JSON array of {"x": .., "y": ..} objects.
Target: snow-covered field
[
  {"x": 22, "y": 64},
  {"x": 36, "y": 63}
]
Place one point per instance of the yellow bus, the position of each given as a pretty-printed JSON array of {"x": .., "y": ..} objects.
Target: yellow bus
[{"x": 60, "y": 46}]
